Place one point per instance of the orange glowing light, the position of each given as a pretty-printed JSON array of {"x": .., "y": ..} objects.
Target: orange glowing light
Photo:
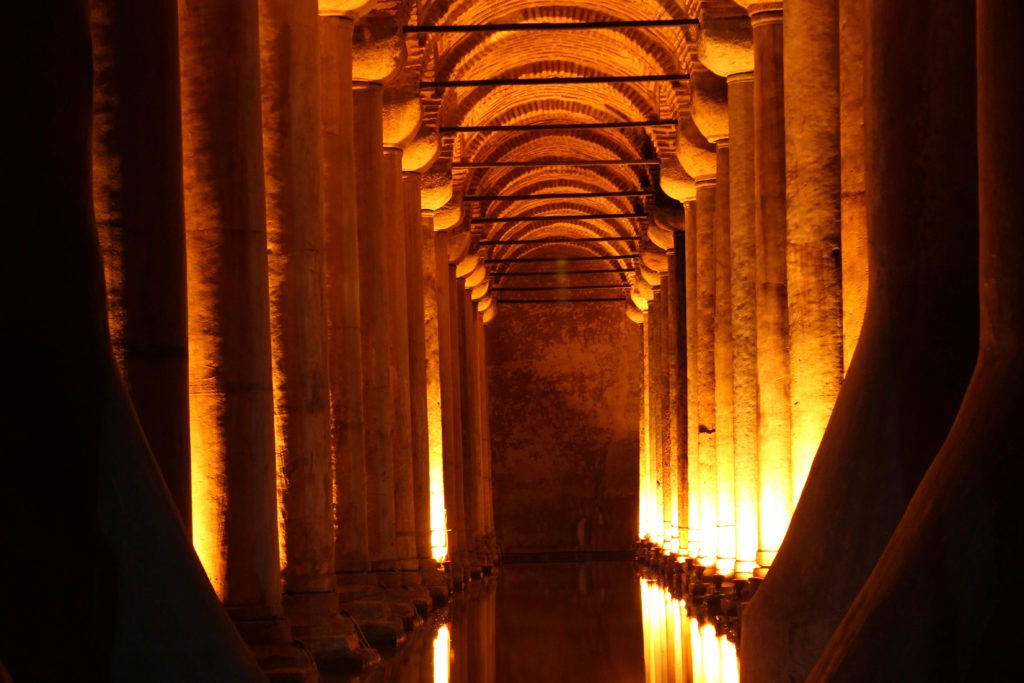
[{"x": 442, "y": 654}]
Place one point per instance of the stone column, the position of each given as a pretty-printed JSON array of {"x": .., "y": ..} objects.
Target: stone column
[
  {"x": 487, "y": 480},
  {"x": 725, "y": 47},
  {"x": 293, "y": 171},
  {"x": 655, "y": 419},
  {"x": 694, "y": 496},
  {"x": 137, "y": 197},
  {"x": 773, "y": 450},
  {"x": 704, "y": 375},
  {"x": 679, "y": 380},
  {"x": 971, "y": 490},
  {"x": 670, "y": 405},
  {"x": 645, "y": 446},
  {"x": 853, "y": 212},
  {"x": 470, "y": 425},
  {"x": 88, "y": 506},
  {"x": 813, "y": 255},
  {"x": 903, "y": 390},
  {"x": 234, "y": 497},
  {"x": 470, "y": 562},
  {"x": 418, "y": 361}
]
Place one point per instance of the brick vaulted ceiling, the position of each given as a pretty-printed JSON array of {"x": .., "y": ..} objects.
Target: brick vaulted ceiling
[{"x": 488, "y": 55}]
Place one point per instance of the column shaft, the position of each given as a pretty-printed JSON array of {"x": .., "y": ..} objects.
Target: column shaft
[
  {"x": 470, "y": 422},
  {"x": 656, "y": 421},
  {"x": 646, "y": 473},
  {"x": 704, "y": 376},
  {"x": 723, "y": 360},
  {"x": 813, "y": 225},
  {"x": 773, "y": 450},
  {"x": 401, "y": 397},
  {"x": 744, "y": 319},
  {"x": 853, "y": 212},
  {"x": 680, "y": 411},
  {"x": 375, "y": 306},
  {"x": 345, "y": 347},
  {"x": 695, "y": 497},
  {"x": 137, "y": 197}
]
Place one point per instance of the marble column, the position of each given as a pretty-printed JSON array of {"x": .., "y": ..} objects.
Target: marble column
[
  {"x": 774, "y": 427},
  {"x": 813, "y": 224},
  {"x": 669, "y": 333},
  {"x": 680, "y": 365},
  {"x": 724, "y": 447},
  {"x": 725, "y": 46},
  {"x": 646, "y": 491},
  {"x": 704, "y": 375},
  {"x": 655, "y": 419},
  {"x": 293, "y": 171},
  {"x": 694, "y": 497},
  {"x": 903, "y": 390},
  {"x": 234, "y": 496},
  {"x": 470, "y": 425},
  {"x": 88, "y": 502},
  {"x": 418, "y": 364},
  {"x": 137, "y": 197},
  {"x": 853, "y": 211},
  {"x": 970, "y": 492}
]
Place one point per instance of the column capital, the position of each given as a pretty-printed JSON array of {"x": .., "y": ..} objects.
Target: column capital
[
  {"x": 436, "y": 190},
  {"x": 725, "y": 45},
  {"x": 378, "y": 49}
]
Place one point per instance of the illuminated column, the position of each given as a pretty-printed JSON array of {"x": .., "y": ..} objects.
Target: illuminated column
[
  {"x": 470, "y": 423},
  {"x": 494, "y": 552},
  {"x": 854, "y": 238},
  {"x": 466, "y": 501},
  {"x": 656, "y": 419},
  {"x": 694, "y": 497},
  {"x": 705, "y": 371},
  {"x": 435, "y": 193},
  {"x": 231, "y": 399},
  {"x": 968, "y": 494},
  {"x": 709, "y": 104},
  {"x": 904, "y": 389},
  {"x": 773, "y": 450},
  {"x": 645, "y": 437},
  {"x": 678, "y": 380},
  {"x": 345, "y": 347},
  {"x": 112, "y": 574},
  {"x": 418, "y": 359},
  {"x": 813, "y": 262},
  {"x": 725, "y": 47},
  {"x": 670, "y": 405},
  {"x": 292, "y": 163},
  {"x": 137, "y": 197}
]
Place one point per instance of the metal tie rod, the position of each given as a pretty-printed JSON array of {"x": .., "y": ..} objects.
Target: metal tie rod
[
  {"x": 593, "y": 300},
  {"x": 550, "y": 26},
  {"x": 541, "y": 273},
  {"x": 550, "y": 288},
  {"x": 556, "y": 162},
  {"x": 552, "y": 195},
  {"x": 548, "y": 259},
  {"x": 558, "y": 126},
  {"x": 548, "y": 219},
  {"x": 558, "y": 240},
  {"x": 551, "y": 80}
]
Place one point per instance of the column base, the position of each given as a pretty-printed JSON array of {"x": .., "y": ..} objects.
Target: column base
[
  {"x": 277, "y": 654},
  {"x": 435, "y": 581},
  {"x": 330, "y": 637}
]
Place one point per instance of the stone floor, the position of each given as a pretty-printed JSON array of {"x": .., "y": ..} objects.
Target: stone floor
[{"x": 593, "y": 622}]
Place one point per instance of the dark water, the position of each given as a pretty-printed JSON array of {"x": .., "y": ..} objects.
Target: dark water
[{"x": 593, "y": 622}]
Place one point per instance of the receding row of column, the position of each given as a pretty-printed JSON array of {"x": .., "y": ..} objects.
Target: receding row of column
[
  {"x": 328, "y": 445},
  {"x": 765, "y": 296}
]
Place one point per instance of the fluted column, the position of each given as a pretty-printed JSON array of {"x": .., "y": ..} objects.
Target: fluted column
[
  {"x": 234, "y": 495},
  {"x": 774, "y": 427},
  {"x": 705, "y": 371},
  {"x": 903, "y": 390},
  {"x": 137, "y": 197},
  {"x": 813, "y": 226}
]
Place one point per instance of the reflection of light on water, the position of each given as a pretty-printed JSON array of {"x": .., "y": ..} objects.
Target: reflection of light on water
[
  {"x": 677, "y": 648},
  {"x": 442, "y": 654}
]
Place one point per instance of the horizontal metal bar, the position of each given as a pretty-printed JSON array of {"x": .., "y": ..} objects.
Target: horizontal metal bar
[
  {"x": 548, "y": 219},
  {"x": 550, "y": 26},
  {"x": 555, "y": 162},
  {"x": 540, "y": 259},
  {"x": 558, "y": 240},
  {"x": 558, "y": 126},
  {"x": 593, "y": 300},
  {"x": 551, "y": 80},
  {"x": 552, "y": 195},
  {"x": 557, "y": 287},
  {"x": 542, "y": 273}
]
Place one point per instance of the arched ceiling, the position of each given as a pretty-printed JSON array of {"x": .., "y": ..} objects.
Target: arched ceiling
[{"x": 511, "y": 247}]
